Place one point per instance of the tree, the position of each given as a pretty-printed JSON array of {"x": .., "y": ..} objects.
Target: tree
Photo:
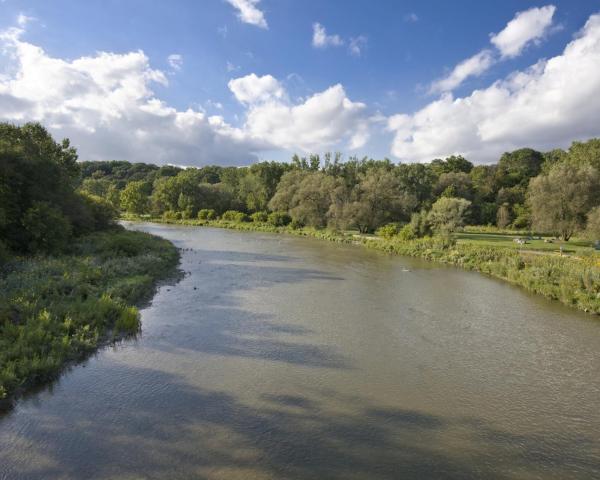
[
  {"x": 134, "y": 198},
  {"x": 448, "y": 214},
  {"x": 585, "y": 153},
  {"x": 517, "y": 167},
  {"x": 455, "y": 184},
  {"x": 503, "y": 216},
  {"x": 48, "y": 230},
  {"x": 377, "y": 200},
  {"x": 593, "y": 224},
  {"x": 454, "y": 163},
  {"x": 561, "y": 199}
]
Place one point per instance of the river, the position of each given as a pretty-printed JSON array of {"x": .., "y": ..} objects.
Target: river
[{"x": 290, "y": 358}]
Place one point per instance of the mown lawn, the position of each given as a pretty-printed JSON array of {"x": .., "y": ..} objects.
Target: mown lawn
[{"x": 574, "y": 246}]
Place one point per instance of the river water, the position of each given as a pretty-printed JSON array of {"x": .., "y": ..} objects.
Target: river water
[{"x": 292, "y": 358}]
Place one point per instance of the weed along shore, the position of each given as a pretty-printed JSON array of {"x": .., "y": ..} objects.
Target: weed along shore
[
  {"x": 63, "y": 308},
  {"x": 573, "y": 281}
]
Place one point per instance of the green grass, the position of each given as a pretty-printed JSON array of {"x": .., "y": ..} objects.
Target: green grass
[
  {"x": 573, "y": 246},
  {"x": 56, "y": 310}
]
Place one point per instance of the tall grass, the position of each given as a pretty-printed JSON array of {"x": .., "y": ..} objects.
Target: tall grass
[{"x": 55, "y": 310}]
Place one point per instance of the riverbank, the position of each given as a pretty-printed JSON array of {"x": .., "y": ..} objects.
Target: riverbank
[
  {"x": 56, "y": 310},
  {"x": 572, "y": 281}
]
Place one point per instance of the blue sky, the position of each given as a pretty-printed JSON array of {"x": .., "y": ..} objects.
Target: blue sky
[{"x": 385, "y": 56}]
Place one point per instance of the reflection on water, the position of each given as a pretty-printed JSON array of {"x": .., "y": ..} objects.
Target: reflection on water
[{"x": 278, "y": 357}]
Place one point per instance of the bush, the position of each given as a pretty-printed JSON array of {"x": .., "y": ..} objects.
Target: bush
[
  {"x": 101, "y": 211},
  {"x": 387, "y": 231},
  {"x": 128, "y": 321},
  {"x": 207, "y": 214},
  {"x": 171, "y": 215},
  {"x": 234, "y": 216},
  {"x": 407, "y": 233},
  {"x": 4, "y": 253},
  {"x": 296, "y": 224},
  {"x": 279, "y": 219},
  {"x": 48, "y": 230},
  {"x": 259, "y": 217}
]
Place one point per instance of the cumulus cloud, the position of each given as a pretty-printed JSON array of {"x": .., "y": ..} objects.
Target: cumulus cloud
[
  {"x": 249, "y": 13},
  {"x": 320, "y": 38},
  {"x": 547, "y": 105},
  {"x": 175, "y": 61},
  {"x": 106, "y": 105},
  {"x": 320, "y": 121},
  {"x": 527, "y": 26},
  {"x": 253, "y": 89},
  {"x": 474, "y": 66}
]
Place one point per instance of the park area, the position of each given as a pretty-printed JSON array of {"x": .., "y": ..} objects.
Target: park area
[{"x": 528, "y": 241}]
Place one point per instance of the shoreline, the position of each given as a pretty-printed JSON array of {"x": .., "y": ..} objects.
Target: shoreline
[
  {"x": 76, "y": 304},
  {"x": 574, "y": 282}
]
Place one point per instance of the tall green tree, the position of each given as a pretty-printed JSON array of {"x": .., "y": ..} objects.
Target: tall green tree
[{"x": 561, "y": 199}]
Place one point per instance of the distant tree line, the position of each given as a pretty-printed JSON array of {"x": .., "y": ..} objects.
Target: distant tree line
[{"x": 556, "y": 192}]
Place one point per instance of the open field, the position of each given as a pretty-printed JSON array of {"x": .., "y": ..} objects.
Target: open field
[{"x": 574, "y": 246}]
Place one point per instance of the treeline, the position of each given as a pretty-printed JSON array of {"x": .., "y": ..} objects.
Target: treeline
[
  {"x": 556, "y": 192},
  {"x": 41, "y": 209}
]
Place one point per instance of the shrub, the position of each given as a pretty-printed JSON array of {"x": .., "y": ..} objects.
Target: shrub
[
  {"x": 407, "y": 233},
  {"x": 234, "y": 216},
  {"x": 259, "y": 217},
  {"x": 387, "y": 231},
  {"x": 279, "y": 219},
  {"x": 296, "y": 224},
  {"x": 128, "y": 320},
  {"x": 48, "y": 230},
  {"x": 4, "y": 253},
  {"x": 171, "y": 215},
  {"x": 101, "y": 211},
  {"x": 207, "y": 214}
]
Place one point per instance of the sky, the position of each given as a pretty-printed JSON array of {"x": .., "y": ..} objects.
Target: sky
[{"x": 231, "y": 82}]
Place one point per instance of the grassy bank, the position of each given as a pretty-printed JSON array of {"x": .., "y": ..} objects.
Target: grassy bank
[
  {"x": 573, "y": 281},
  {"x": 58, "y": 309}
]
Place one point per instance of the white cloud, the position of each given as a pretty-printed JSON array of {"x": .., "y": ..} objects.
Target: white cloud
[
  {"x": 321, "y": 121},
  {"x": 231, "y": 67},
  {"x": 23, "y": 19},
  {"x": 175, "y": 61},
  {"x": 357, "y": 45},
  {"x": 253, "y": 89},
  {"x": 548, "y": 105},
  {"x": 105, "y": 104},
  {"x": 322, "y": 40},
  {"x": 411, "y": 17},
  {"x": 526, "y": 27},
  {"x": 249, "y": 13},
  {"x": 474, "y": 66}
]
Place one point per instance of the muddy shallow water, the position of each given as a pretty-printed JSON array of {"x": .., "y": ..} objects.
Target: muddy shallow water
[{"x": 293, "y": 358}]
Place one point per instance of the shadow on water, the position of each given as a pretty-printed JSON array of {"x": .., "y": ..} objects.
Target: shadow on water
[
  {"x": 169, "y": 428},
  {"x": 187, "y": 432},
  {"x": 215, "y": 323}
]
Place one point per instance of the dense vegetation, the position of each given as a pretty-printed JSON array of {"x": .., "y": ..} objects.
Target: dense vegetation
[
  {"x": 416, "y": 209},
  {"x": 69, "y": 276},
  {"x": 554, "y": 192}
]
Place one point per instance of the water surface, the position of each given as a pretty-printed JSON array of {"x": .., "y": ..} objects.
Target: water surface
[{"x": 292, "y": 358}]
